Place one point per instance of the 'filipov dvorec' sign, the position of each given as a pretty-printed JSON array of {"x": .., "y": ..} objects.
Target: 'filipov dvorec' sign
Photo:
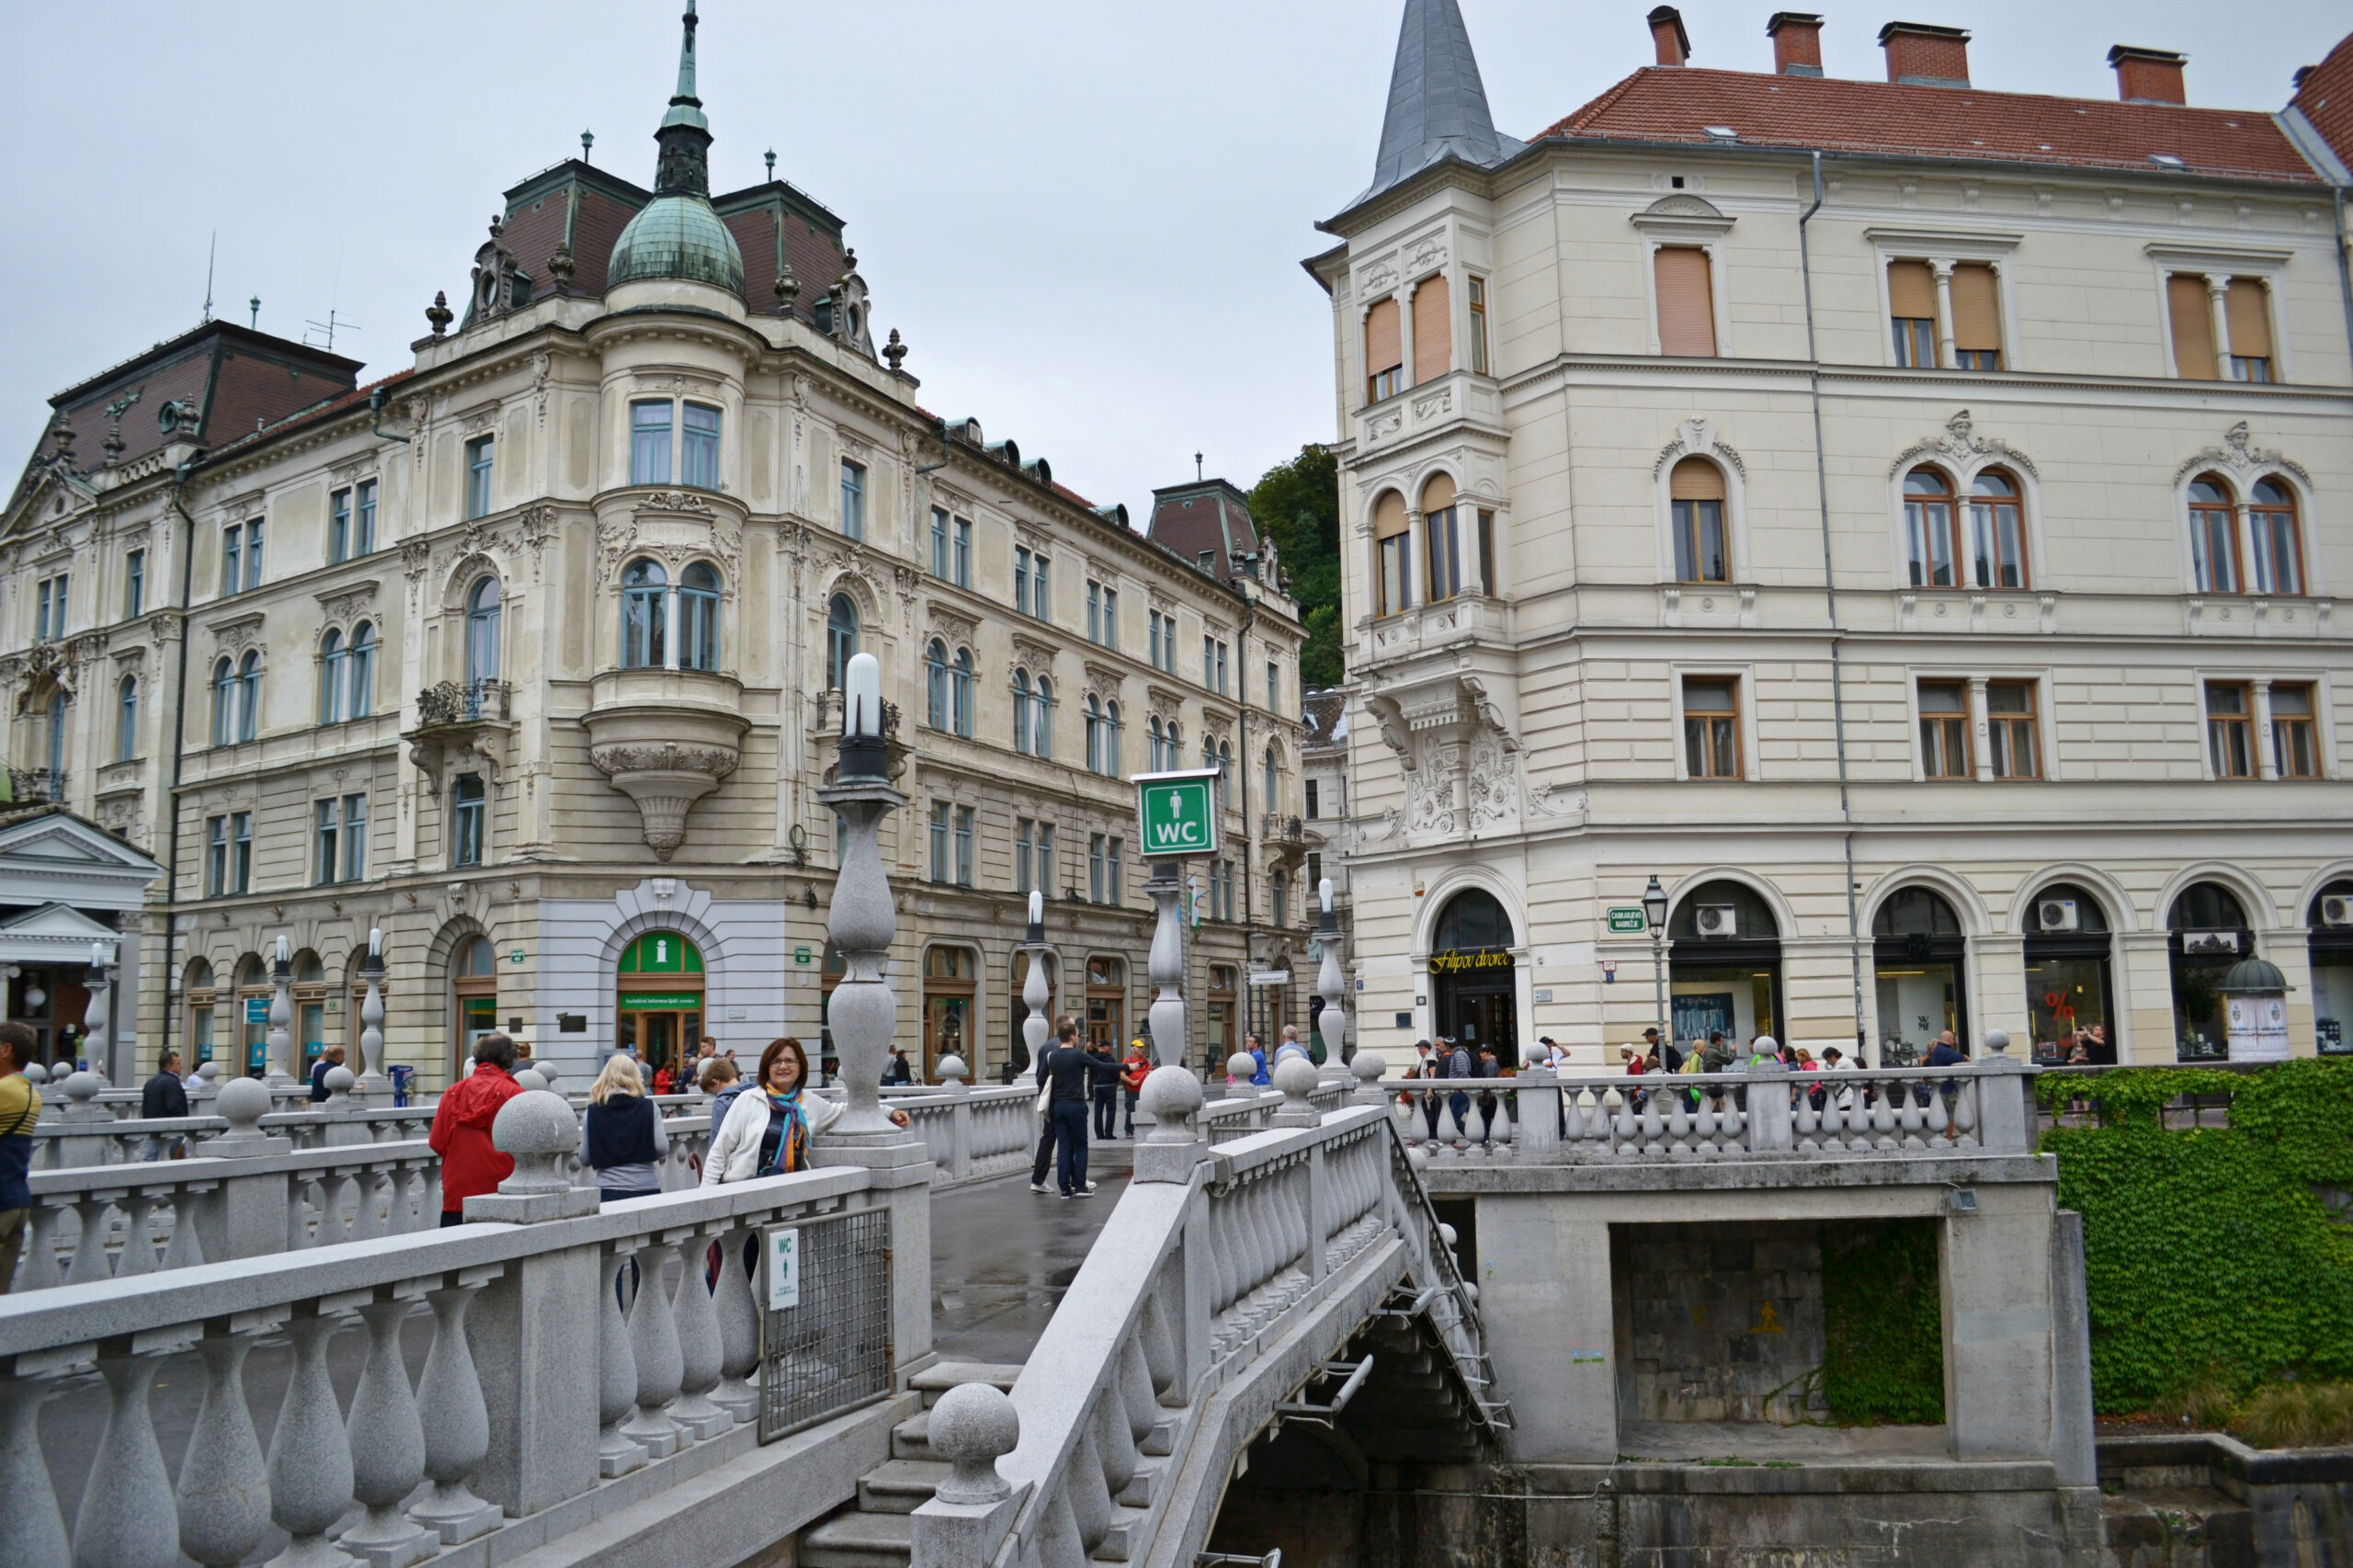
[
  {"x": 1176, "y": 812},
  {"x": 1466, "y": 961}
]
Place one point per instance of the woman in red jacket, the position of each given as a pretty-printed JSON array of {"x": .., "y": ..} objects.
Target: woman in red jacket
[{"x": 461, "y": 1134}]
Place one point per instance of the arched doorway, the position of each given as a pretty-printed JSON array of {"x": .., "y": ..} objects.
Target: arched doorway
[
  {"x": 1723, "y": 965},
  {"x": 2207, "y": 932},
  {"x": 1916, "y": 952},
  {"x": 1473, "y": 999},
  {"x": 2331, "y": 919},
  {"x": 950, "y": 976},
  {"x": 473, "y": 978},
  {"x": 660, "y": 1000},
  {"x": 311, "y": 1004},
  {"x": 2069, "y": 998}
]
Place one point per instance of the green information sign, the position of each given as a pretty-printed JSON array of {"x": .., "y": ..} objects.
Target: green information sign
[
  {"x": 1176, "y": 812},
  {"x": 1627, "y": 922},
  {"x": 657, "y": 999}
]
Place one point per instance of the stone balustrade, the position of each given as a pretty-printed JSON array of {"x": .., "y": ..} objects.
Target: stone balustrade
[{"x": 543, "y": 1406}]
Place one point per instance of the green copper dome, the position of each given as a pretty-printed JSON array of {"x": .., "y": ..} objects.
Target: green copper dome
[{"x": 678, "y": 236}]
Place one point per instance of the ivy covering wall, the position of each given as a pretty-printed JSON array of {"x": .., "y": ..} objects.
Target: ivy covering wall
[
  {"x": 2212, "y": 1252},
  {"x": 1884, "y": 1357}
]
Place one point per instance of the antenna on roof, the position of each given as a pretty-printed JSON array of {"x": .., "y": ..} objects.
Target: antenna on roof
[
  {"x": 210, "y": 250},
  {"x": 1197, "y": 468},
  {"x": 327, "y": 328},
  {"x": 253, "y": 304}
]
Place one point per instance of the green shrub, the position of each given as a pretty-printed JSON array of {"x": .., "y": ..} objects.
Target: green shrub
[
  {"x": 2298, "y": 1416},
  {"x": 1882, "y": 1334}
]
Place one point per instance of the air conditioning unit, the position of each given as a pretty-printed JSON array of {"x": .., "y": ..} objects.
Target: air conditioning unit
[
  {"x": 2059, "y": 914},
  {"x": 1718, "y": 919},
  {"x": 2336, "y": 909},
  {"x": 2210, "y": 942}
]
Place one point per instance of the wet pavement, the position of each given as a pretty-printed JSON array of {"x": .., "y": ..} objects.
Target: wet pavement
[{"x": 1002, "y": 1256}]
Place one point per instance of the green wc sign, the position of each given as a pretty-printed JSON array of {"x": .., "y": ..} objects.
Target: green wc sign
[{"x": 1176, "y": 812}]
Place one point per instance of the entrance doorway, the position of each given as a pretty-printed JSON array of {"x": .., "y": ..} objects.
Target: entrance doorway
[
  {"x": 2208, "y": 932},
  {"x": 1723, "y": 966},
  {"x": 2067, "y": 996},
  {"x": 1473, "y": 991},
  {"x": 949, "y": 979},
  {"x": 1916, "y": 951},
  {"x": 1107, "y": 1004},
  {"x": 473, "y": 976},
  {"x": 2330, "y": 918},
  {"x": 659, "y": 1016}
]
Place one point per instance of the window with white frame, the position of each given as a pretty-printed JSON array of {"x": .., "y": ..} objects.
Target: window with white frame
[{"x": 1711, "y": 737}]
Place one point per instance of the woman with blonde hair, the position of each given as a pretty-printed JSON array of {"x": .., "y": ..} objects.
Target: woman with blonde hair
[{"x": 622, "y": 1138}]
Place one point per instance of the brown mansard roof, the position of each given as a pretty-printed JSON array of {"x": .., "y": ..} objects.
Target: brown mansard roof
[
  {"x": 2325, "y": 98},
  {"x": 1838, "y": 115}
]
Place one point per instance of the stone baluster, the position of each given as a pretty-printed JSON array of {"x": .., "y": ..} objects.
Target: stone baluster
[
  {"x": 617, "y": 1365},
  {"x": 654, "y": 1342},
  {"x": 739, "y": 1330},
  {"x": 127, "y": 1519},
  {"x": 310, "y": 1455},
  {"x": 223, "y": 1491},
  {"x": 90, "y": 1251},
  {"x": 1084, "y": 1484},
  {"x": 702, "y": 1355},
  {"x": 186, "y": 1249},
  {"x": 30, "y": 1522},
  {"x": 40, "y": 1269},
  {"x": 387, "y": 1442},
  {"x": 457, "y": 1422},
  {"x": 959, "y": 1163},
  {"x": 1114, "y": 1436},
  {"x": 138, "y": 1254}
]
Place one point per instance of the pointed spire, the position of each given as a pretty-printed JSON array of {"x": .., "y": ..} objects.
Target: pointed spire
[
  {"x": 1438, "y": 106},
  {"x": 686, "y": 93},
  {"x": 684, "y": 167}
]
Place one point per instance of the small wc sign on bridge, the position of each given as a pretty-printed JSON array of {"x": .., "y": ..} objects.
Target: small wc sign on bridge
[{"x": 1176, "y": 812}]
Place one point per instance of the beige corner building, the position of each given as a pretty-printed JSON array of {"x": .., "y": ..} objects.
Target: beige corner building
[
  {"x": 1906, "y": 519},
  {"x": 528, "y": 655}
]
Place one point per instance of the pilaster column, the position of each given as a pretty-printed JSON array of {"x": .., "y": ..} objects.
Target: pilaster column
[
  {"x": 1947, "y": 355},
  {"x": 2218, "y": 289},
  {"x": 1981, "y": 751},
  {"x": 2267, "y": 757},
  {"x": 1405, "y": 298}
]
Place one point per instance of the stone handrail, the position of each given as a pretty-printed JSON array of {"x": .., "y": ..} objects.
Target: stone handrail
[
  {"x": 972, "y": 1132},
  {"x": 1213, "y": 1257},
  {"x": 508, "y": 1421},
  {"x": 1877, "y": 1113}
]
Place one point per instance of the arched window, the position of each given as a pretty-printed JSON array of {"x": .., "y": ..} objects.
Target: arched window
[
  {"x": 1929, "y": 526},
  {"x": 126, "y": 719},
  {"x": 2213, "y": 536},
  {"x": 960, "y": 691},
  {"x": 1445, "y": 553},
  {"x": 225, "y": 703},
  {"x": 1274, "y": 781},
  {"x": 331, "y": 678},
  {"x": 935, "y": 684},
  {"x": 2210, "y": 933},
  {"x": 1279, "y": 888},
  {"x": 1394, "y": 554},
  {"x": 1042, "y": 722},
  {"x": 1021, "y": 710},
  {"x": 1998, "y": 528},
  {"x": 57, "y": 746},
  {"x": 645, "y": 604},
  {"x": 841, "y": 639},
  {"x": 698, "y": 608},
  {"x": 481, "y": 631},
  {"x": 1224, "y": 771},
  {"x": 1695, "y": 501},
  {"x": 1094, "y": 734},
  {"x": 360, "y": 698},
  {"x": 1918, "y": 951},
  {"x": 2067, "y": 991},
  {"x": 249, "y": 696},
  {"x": 2279, "y": 554},
  {"x": 1155, "y": 742},
  {"x": 1111, "y": 739},
  {"x": 1472, "y": 919}
]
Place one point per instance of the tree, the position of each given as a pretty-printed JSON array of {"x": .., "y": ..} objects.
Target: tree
[{"x": 1296, "y": 504}]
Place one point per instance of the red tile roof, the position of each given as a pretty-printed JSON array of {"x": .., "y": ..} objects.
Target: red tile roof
[
  {"x": 1675, "y": 104},
  {"x": 2326, "y": 99},
  {"x": 1206, "y": 518}
]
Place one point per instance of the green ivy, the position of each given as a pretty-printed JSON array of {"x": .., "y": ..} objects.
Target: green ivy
[
  {"x": 1883, "y": 1338},
  {"x": 2208, "y": 1252}
]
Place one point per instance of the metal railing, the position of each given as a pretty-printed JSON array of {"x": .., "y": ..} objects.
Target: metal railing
[
  {"x": 463, "y": 702},
  {"x": 28, "y": 784}
]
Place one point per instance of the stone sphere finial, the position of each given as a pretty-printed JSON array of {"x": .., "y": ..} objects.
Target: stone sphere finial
[
  {"x": 951, "y": 1069},
  {"x": 1998, "y": 1041},
  {"x": 1174, "y": 1097},
  {"x": 83, "y": 1085},
  {"x": 1296, "y": 1076},
  {"x": 532, "y": 1078},
  {"x": 339, "y": 1081},
  {"x": 972, "y": 1426},
  {"x": 1242, "y": 1066},
  {"x": 537, "y": 1129},
  {"x": 35, "y": 1073},
  {"x": 244, "y": 1102}
]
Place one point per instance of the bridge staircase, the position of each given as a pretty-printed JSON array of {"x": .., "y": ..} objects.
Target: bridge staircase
[{"x": 873, "y": 1531}]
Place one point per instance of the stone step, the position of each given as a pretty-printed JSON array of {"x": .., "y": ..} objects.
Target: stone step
[
  {"x": 911, "y": 1439},
  {"x": 899, "y": 1486},
  {"x": 859, "y": 1541},
  {"x": 938, "y": 1377}
]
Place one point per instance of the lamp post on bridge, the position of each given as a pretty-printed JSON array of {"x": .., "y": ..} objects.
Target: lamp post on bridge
[
  {"x": 1333, "y": 1022},
  {"x": 863, "y": 1013},
  {"x": 1654, "y": 915},
  {"x": 372, "y": 1081},
  {"x": 1035, "y": 1025},
  {"x": 283, "y": 1068}
]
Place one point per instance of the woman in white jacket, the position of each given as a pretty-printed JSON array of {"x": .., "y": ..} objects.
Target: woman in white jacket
[{"x": 769, "y": 1127}]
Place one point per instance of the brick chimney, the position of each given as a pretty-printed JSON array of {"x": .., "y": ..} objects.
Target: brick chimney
[
  {"x": 1666, "y": 32},
  {"x": 1796, "y": 43},
  {"x": 1926, "y": 56},
  {"x": 2148, "y": 75}
]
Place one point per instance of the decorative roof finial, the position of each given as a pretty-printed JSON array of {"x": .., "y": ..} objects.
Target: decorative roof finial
[
  {"x": 895, "y": 351},
  {"x": 253, "y": 305},
  {"x": 685, "y": 92},
  {"x": 587, "y": 140},
  {"x": 113, "y": 443},
  {"x": 438, "y": 314},
  {"x": 560, "y": 266},
  {"x": 787, "y": 287},
  {"x": 770, "y": 156}
]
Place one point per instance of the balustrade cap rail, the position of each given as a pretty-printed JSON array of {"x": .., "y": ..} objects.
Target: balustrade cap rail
[
  {"x": 209, "y": 1167},
  {"x": 59, "y": 1326}
]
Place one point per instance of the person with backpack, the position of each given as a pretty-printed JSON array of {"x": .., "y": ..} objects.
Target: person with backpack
[{"x": 622, "y": 1137}]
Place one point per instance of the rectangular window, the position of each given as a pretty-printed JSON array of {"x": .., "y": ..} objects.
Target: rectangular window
[
  {"x": 1478, "y": 325},
  {"x": 1020, "y": 579},
  {"x": 2295, "y": 745},
  {"x": 134, "y": 583},
  {"x": 1115, "y": 858},
  {"x": 1042, "y": 601},
  {"x": 2246, "y": 310},
  {"x": 698, "y": 453},
  {"x": 1274, "y": 687},
  {"x": 363, "y": 539},
  {"x": 338, "y": 527},
  {"x": 1095, "y": 868},
  {"x": 1110, "y": 617},
  {"x": 355, "y": 838},
  {"x": 1976, "y": 317},
  {"x": 252, "y": 554},
  {"x": 1487, "y": 554},
  {"x": 1384, "y": 351},
  {"x": 2191, "y": 315},
  {"x": 2010, "y": 730},
  {"x": 233, "y": 559},
  {"x": 853, "y": 501},
  {"x": 2230, "y": 741},
  {"x": 1912, "y": 312},
  {"x": 1944, "y": 730},
  {"x": 1094, "y": 610},
  {"x": 939, "y": 841},
  {"x": 1433, "y": 330},
  {"x": 479, "y": 453},
  {"x": 1315, "y": 874},
  {"x": 1151, "y": 638},
  {"x": 328, "y": 858},
  {"x": 241, "y": 852},
  {"x": 939, "y": 542},
  {"x": 1022, "y": 828},
  {"x": 649, "y": 442},
  {"x": 1046, "y": 859},
  {"x": 1687, "y": 310},
  {"x": 1311, "y": 812},
  {"x": 216, "y": 856},
  {"x": 49, "y": 618},
  {"x": 963, "y": 846},
  {"x": 1711, "y": 726},
  {"x": 467, "y": 805},
  {"x": 963, "y": 576}
]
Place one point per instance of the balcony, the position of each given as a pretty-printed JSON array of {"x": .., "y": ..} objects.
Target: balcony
[
  {"x": 666, "y": 738},
  {"x": 27, "y": 785},
  {"x": 825, "y": 729},
  {"x": 461, "y": 727},
  {"x": 1281, "y": 831},
  {"x": 1432, "y": 628}
]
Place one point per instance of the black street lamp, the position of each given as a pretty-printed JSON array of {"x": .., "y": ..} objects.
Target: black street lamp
[{"x": 1655, "y": 912}]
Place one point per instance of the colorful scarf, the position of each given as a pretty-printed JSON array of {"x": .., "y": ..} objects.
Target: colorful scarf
[{"x": 792, "y": 1140}]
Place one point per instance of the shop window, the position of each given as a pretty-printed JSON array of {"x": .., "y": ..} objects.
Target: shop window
[
  {"x": 1723, "y": 965},
  {"x": 2207, "y": 932},
  {"x": 1922, "y": 989},
  {"x": 2330, "y": 918},
  {"x": 2070, "y": 1003}
]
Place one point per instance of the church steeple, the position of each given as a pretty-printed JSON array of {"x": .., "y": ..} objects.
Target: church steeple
[
  {"x": 684, "y": 135},
  {"x": 1438, "y": 106}
]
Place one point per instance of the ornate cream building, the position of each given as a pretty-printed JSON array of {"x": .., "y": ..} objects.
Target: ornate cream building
[
  {"x": 1904, "y": 518},
  {"x": 527, "y": 656}
]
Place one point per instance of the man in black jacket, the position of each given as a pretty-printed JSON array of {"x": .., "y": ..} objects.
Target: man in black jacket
[
  {"x": 1070, "y": 1076},
  {"x": 164, "y": 1096}
]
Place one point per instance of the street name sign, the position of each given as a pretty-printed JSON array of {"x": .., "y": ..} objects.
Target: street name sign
[
  {"x": 1627, "y": 922},
  {"x": 1176, "y": 812}
]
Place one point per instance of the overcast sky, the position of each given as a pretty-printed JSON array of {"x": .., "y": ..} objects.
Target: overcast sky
[{"x": 1087, "y": 218}]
